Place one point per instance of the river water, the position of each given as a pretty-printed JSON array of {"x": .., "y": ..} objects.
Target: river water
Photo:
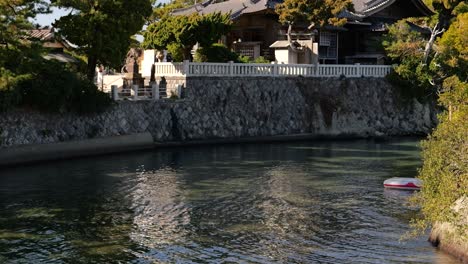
[{"x": 302, "y": 202}]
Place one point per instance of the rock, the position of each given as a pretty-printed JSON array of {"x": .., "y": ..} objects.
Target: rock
[{"x": 444, "y": 235}]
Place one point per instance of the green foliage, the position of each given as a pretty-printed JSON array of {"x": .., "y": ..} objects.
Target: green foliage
[
  {"x": 438, "y": 63},
  {"x": 243, "y": 59},
  {"x": 215, "y": 53},
  {"x": 445, "y": 170},
  {"x": 177, "y": 52},
  {"x": 14, "y": 20},
  {"x": 220, "y": 53},
  {"x": 102, "y": 29},
  {"x": 28, "y": 80},
  {"x": 452, "y": 50},
  {"x": 405, "y": 47},
  {"x": 9, "y": 96},
  {"x": 164, "y": 9},
  {"x": 52, "y": 88},
  {"x": 445, "y": 153},
  {"x": 247, "y": 59},
  {"x": 402, "y": 42},
  {"x": 261, "y": 59},
  {"x": 185, "y": 31},
  {"x": 321, "y": 12}
]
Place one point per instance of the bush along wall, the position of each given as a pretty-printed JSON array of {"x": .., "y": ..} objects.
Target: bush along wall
[{"x": 51, "y": 87}]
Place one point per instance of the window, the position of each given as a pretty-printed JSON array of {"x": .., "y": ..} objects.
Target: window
[{"x": 328, "y": 45}]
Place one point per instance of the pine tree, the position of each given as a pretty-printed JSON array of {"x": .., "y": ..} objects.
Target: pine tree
[{"x": 102, "y": 29}]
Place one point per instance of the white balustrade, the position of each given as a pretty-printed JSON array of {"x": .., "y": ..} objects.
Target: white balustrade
[
  {"x": 186, "y": 68},
  {"x": 256, "y": 69},
  {"x": 169, "y": 69}
]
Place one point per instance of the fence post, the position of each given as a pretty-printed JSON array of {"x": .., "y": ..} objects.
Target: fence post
[
  {"x": 275, "y": 69},
  {"x": 179, "y": 91},
  {"x": 135, "y": 91},
  {"x": 186, "y": 67},
  {"x": 155, "y": 91},
  {"x": 359, "y": 71},
  {"x": 231, "y": 68},
  {"x": 115, "y": 92}
]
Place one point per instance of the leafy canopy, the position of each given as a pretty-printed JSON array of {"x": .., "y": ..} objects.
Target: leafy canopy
[
  {"x": 27, "y": 79},
  {"x": 186, "y": 31},
  {"x": 14, "y": 19},
  {"x": 320, "y": 12},
  {"x": 102, "y": 29},
  {"x": 15, "y": 52},
  {"x": 163, "y": 9},
  {"x": 405, "y": 47},
  {"x": 418, "y": 60}
]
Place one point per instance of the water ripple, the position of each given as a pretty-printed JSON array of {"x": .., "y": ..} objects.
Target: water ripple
[{"x": 272, "y": 203}]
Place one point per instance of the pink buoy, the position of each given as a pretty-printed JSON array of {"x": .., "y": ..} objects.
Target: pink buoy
[{"x": 403, "y": 183}]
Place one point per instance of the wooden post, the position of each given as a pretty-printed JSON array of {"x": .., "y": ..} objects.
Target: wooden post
[
  {"x": 115, "y": 92},
  {"x": 155, "y": 91}
]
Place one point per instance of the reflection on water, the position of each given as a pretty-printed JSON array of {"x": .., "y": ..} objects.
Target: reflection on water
[{"x": 304, "y": 202}]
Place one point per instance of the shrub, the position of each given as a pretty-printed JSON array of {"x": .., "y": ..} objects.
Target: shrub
[
  {"x": 176, "y": 51},
  {"x": 261, "y": 59},
  {"x": 51, "y": 87},
  {"x": 243, "y": 59},
  {"x": 445, "y": 171},
  {"x": 215, "y": 53},
  {"x": 9, "y": 96}
]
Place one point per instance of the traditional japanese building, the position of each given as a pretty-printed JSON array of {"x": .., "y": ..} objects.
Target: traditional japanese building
[
  {"x": 256, "y": 28},
  {"x": 360, "y": 41},
  {"x": 255, "y": 25},
  {"x": 53, "y": 43}
]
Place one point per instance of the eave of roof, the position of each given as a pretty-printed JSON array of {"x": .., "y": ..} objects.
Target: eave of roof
[
  {"x": 362, "y": 8},
  {"x": 234, "y": 7},
  {"x": 369, "y": 7},
  {"x": 281, "y": 44}
]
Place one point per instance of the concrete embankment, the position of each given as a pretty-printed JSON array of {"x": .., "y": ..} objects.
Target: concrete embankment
[
  {"x": 72, "y": 149},
  {"x": 26, "y": 154}
]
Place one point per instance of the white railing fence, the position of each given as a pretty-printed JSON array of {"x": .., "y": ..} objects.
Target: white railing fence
[
  {"x": 187, "y": 69},
  {"x": 136, "y": 93}
]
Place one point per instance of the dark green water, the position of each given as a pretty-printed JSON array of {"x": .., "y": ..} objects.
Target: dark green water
[{"x": 304, "y": 202}]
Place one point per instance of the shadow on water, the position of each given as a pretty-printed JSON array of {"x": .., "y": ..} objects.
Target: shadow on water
[{"x": 261, "y": 203}]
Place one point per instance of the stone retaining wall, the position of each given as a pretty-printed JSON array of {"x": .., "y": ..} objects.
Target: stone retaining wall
[{"x": 238, "y": 107}]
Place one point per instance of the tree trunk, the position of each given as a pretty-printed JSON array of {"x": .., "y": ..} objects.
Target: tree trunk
[
  {"x": 289, "y": 33},
  {"x": 437, "y": 30},
  {"x": 92, "y": 60},
  {"x": 187, "y": 52}
]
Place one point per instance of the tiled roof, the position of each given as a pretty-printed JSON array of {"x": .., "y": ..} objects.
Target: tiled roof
[
  {"x": 369, "y": 7},
  {"x": 235, "y": 7},
  {"x": 42, "y": 34},
  {"x": 46, "y": 35},
  {"x": 362, "y": 8}
]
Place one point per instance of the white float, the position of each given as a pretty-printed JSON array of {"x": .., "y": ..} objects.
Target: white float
[{"x": 403, "y": 183}]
